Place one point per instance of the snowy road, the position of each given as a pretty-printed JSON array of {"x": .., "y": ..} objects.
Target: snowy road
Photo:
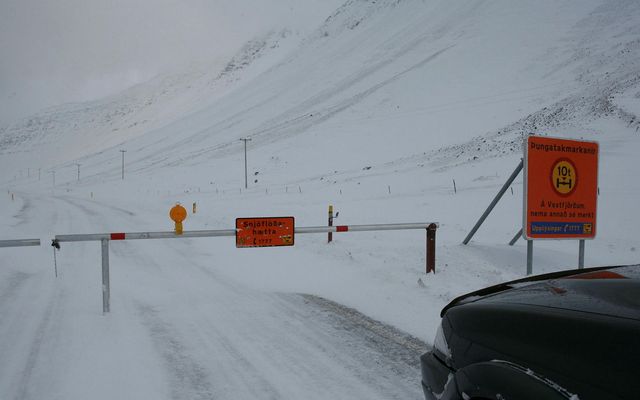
[{"x": 178, "y": 328}]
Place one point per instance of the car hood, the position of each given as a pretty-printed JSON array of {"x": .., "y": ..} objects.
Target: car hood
[{"x": 611, "y": 291}]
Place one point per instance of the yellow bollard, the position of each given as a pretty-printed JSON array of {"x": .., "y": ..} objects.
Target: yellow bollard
[{"x": 178, "y": 214}]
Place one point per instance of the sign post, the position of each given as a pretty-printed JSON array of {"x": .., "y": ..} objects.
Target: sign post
[{"x": 561, "y": 189}]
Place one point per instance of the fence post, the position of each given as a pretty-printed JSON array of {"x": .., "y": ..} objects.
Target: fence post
[
  {"x": 431, "y": 248},
  {"x": 106, "y": 291}
]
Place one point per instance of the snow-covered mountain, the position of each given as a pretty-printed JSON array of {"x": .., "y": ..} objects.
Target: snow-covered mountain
[
  {"x": 400, "y": 76},
  {"x": 377, "y": 111}
]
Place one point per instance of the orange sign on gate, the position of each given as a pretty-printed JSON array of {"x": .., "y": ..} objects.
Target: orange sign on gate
[
  {"x": 561, "y": 188},
  {"x": 265, "y": 232}
]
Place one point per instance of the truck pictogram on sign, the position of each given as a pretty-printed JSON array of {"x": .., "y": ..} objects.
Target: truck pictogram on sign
[
  {"x": 564, "y": 177},
  {"x": 561, "y": 188}
]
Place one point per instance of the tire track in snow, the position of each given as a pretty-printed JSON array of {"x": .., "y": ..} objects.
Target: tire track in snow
[
  {"x": 41, "y": 334},
  {"x": 76, "y": 203},
  {"x": 406, "y": 346},
  {"x": 24, "y": 373},
  {"x": 12, "y": 285},
  {"x": 189, "y": 379},
  {"x": 336, "y": 330},
  {"x": 21, "y": 215}
]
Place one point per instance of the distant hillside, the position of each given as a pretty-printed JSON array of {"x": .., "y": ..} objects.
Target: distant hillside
[{"x": 380, "y": 80}]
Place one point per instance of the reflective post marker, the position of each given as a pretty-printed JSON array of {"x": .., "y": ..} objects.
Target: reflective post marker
[
  {"x": 330, "y": 234},
  {"x": 431, "y": 248},
  {"x": 106, "y": 290}
]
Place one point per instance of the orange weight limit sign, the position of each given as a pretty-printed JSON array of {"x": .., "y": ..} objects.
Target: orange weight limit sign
[
  {"x": 561, "y": 188},
  {"x": 177, "y": 215}
]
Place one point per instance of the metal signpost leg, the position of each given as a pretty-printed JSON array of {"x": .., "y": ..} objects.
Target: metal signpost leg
[
  {"x": 494, "y": 202},
  {"x": 529, "y": 257},
  {"x": 106, "y": 293},
  {"x": 581, "y": 254},
  {"x": 515, "y": 238}
]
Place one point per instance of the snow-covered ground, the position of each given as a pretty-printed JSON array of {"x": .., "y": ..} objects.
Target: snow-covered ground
[{"x": 376, "y": 111}]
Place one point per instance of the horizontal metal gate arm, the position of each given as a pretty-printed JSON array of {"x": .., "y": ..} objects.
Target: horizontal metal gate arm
[
  {"x": 143, "y": 235},
  {"x": 232, "y": 232},
  {"x": 19, "y": 242},
  {"x": 361, "y": 228}
]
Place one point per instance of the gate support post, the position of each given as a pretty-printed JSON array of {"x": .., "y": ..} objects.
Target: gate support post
[
  {"x": 431, "y": 248},
  {"x": 106, "y": 291}
]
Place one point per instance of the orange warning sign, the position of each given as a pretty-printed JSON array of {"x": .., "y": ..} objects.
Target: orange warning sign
[
  {"x": 561, "y": 188},
  {"x": 178, "y": 213},
  {"x": 265, "y": 232}
]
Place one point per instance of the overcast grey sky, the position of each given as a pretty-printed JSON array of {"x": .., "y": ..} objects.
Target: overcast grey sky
[{"x": 58, "y": 51}]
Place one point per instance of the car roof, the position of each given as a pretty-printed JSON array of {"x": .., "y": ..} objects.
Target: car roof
[{"x": 611, "y": 291}]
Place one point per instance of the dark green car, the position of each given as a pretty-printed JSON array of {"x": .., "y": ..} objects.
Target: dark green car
[{"x": 567, "y": 335}]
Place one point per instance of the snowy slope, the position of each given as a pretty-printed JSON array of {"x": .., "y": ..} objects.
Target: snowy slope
[{"x": 376, "y": 111}]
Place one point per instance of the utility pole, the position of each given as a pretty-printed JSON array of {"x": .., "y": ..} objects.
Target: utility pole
[
  {"x": 123, "y": 151},
  {"x": 245, "y": 140},
  {"x": 78, "y": 165}
]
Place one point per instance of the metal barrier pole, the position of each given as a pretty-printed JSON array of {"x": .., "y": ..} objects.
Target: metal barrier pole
[
  {"x": 431, "y": 248},
  {"x": 362, "y": 228},
  {"x": 106, "y": 290},
  {"x": 20, "y": 243},
  {"x": 494, "y": 202},
  {"x": 529, "y": 257},
  {"x": 581, "y": 254},
  {"x": 105, "y": 238}
]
